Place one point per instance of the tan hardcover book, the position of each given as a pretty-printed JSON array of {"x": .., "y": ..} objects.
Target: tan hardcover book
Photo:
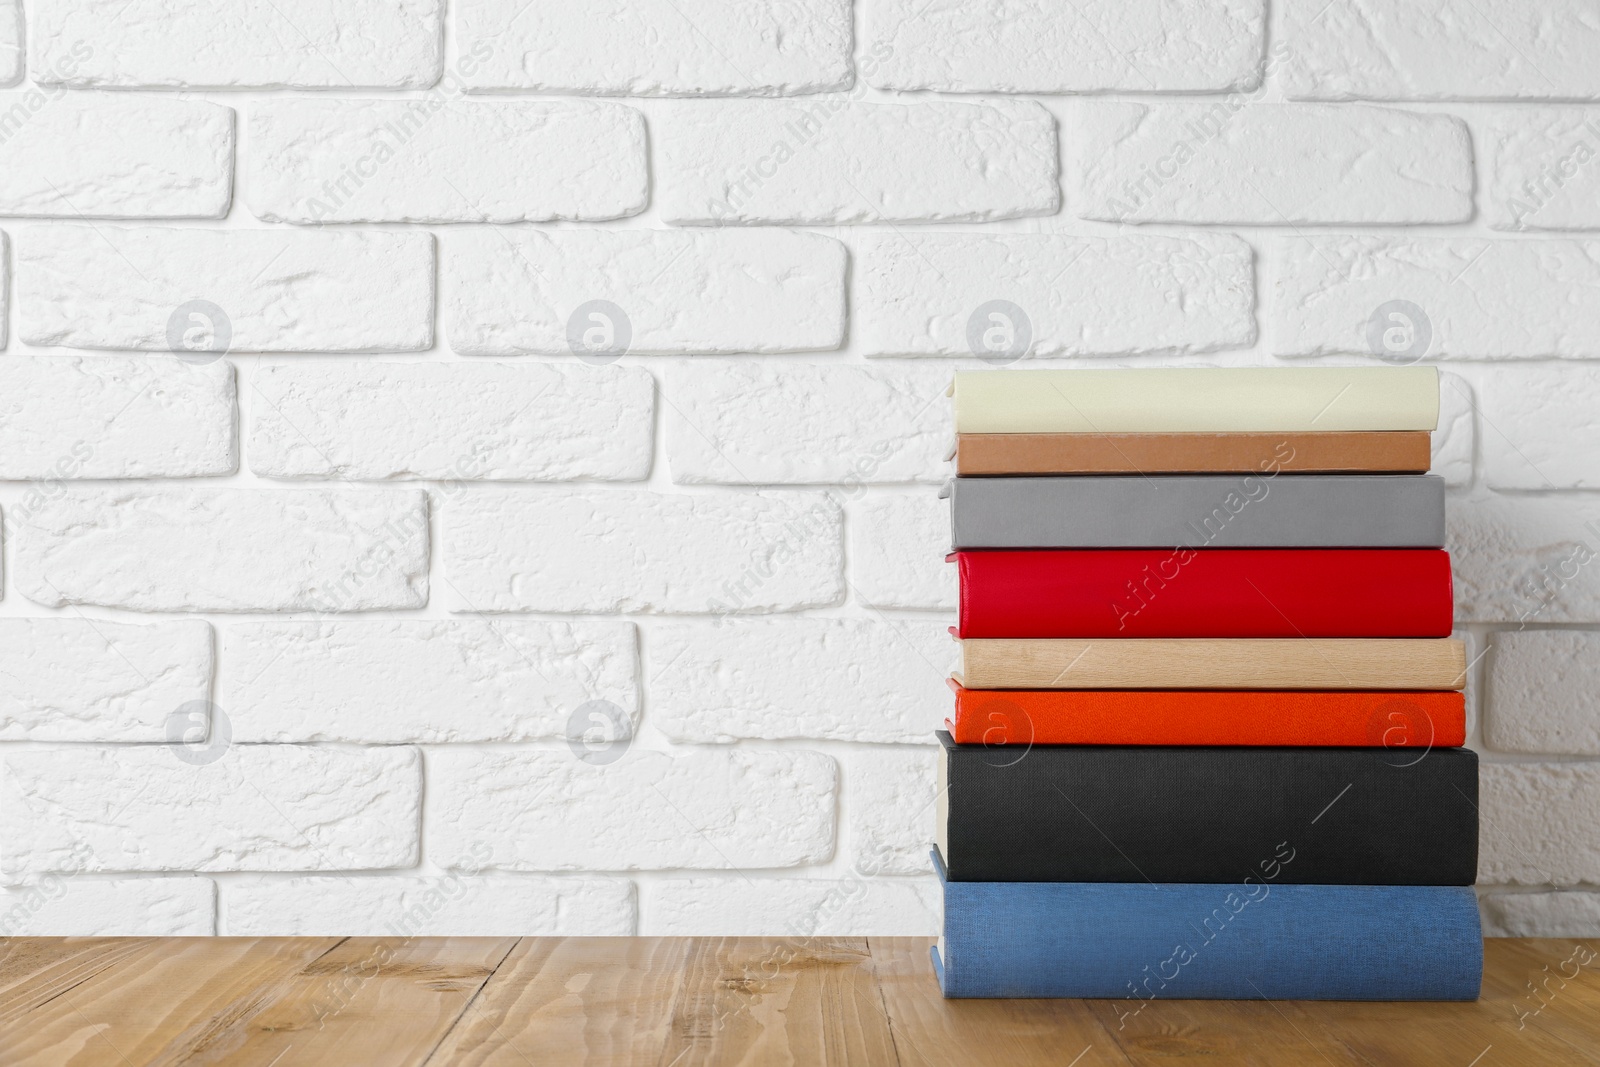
[
  {"x": 1399, "y": 452},
  {"x": 1213, "y": 663}
]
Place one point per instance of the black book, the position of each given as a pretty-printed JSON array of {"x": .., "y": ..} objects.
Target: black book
[{"x": 1329, "y": 816}]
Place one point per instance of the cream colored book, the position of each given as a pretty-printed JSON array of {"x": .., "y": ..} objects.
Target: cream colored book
[
  {"x": 1197, "y": 400},
  {"x": 1213, "y": 663}
]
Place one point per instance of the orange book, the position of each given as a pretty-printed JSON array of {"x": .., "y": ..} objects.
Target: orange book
[{"x": 1307, "y": 718}]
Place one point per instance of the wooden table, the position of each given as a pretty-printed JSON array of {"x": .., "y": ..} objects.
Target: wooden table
[{"x": 363, "y": 1002}]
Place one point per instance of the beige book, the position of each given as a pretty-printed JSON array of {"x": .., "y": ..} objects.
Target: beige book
[
  {"x": 1197, "y": 400},
  {"x": 1213, "y": 663}
]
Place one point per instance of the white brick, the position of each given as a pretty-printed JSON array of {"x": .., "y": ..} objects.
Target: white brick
[
  {"x": 280, "y": 291},
  {"x": 255, "y": 808},
  {"x": 1525, "y": 559},
  {"x": 792, "y": 907},
  {"x": 1541, "y": 693},
  {"x": 1540, "y": 166},
  {"x": 1497, "y": 299},
  {"x": 1062, "y": 47},
  {"x": 831, "y": 679},
  {"x": 92, "y": 680},
  {"x": 728, "y": 291},
  {"x": 1539, "y": 427},
  {"x": 103, "y": 155},
  {"x": 1440, "y": 49},
  {"x": 747, "y": 423},
  {"x": 552, "y": 811},
  {"x": 833, "y": 160},
  {"x": 892, "y": 798},
  {"x": 897, "y": 550},
  {"x": 395, "y": 681},
  {"x": 10, "y": 41},
  {"x": 1542, "y": 915},
  {"x": 1455, "y": 439},
  {"x": 1537, "y": 823},
  {"x": 65, "y": 905},
  {"x": 1237, "y": 161},
  {"x": 468, "y": 421},
  {"x": 115, "y": 417},
  {"x": 452, "y": 906},
  {"x": 444, "y": 160},
  {"x": 920, "y": 293},
  {"x": 225, "y": 550},
  {"x": 626, "y": 551},
  {"x": 237, "y": 44},
  {"x": 658, "y": 47}
]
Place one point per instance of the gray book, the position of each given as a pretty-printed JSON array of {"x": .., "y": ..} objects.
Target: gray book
[{"x": 1199, "y": 511}]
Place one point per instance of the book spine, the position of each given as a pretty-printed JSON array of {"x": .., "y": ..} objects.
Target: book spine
[
  {"x": 1286, "y": 663},
  {"x": 1199, "y": 512},
  {"x": 1354, "y": 719},
  {"x": 1180, "y": 592},
  {"x": 1194, "y": 400},
  {"x": 991, "y": 454},
  {"x": 1359, "y": 816},
  {"x": 1251, "y": 939}
]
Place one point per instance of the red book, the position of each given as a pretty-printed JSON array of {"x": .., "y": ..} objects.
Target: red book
[
  {"x": 1346, "y": 718},
  {"x": 1213, "y": 592}
]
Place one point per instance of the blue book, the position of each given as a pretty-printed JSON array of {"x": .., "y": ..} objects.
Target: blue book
[{"x": 1249, "y": 940}]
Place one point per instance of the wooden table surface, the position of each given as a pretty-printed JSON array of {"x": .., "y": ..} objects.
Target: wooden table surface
[{"x": 361, "y": 1002}]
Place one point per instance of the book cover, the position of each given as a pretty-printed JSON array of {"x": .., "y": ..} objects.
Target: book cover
[
  {"x": 1197, "y": 400},
  {"x": 989, "y": 454},
  {"x": 1272, "y": 717},
  {"x": 1251, "y": 937},
  {"x": 1211, "y": 592},
  {"x": 1213, "y": 663},
  {"x": 1199, "y": 511},
  {"x": 1072, "y": 813}
]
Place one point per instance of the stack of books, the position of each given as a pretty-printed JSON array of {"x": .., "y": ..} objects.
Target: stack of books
[{"x": 1207, "y": 727}]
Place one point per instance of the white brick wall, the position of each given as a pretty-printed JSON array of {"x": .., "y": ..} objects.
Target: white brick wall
[
  {"x": 499, "y": 421},
  {"x": 443, "y": 159},
  {"x": 279, "y": 291},
  {"x": 679, "y": 292},
  {"x": 236, "y": 44},
  {"x": 834, "y": 160},
  {"x": 1269, "y": 164},
  {"x": 115, "y": 417},
  {"x": 109, "y": 156},
  {"x": 173, "y": 807},
  {"x": 917, "y": 293},
  {"x": 457, "y": 905},
  {"x": 1040, "y": 48},
  {"x": 691, "y": 689},
  {"x": 658, "y": 47}
]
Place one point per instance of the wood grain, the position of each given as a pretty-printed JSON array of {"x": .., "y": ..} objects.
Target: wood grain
[
  {"x": 368, "y": 1000},
  {"x": 956, "y": 1033},
  {"x": 572, "y": 1000},
  {"x": 1213, "y": 663},
  {"x": 980, "y": 454},
  {"x": 753, "y": 1000},
  {"x": 167, "y": 1002},
  {"x": 681, "y": 1001}
]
